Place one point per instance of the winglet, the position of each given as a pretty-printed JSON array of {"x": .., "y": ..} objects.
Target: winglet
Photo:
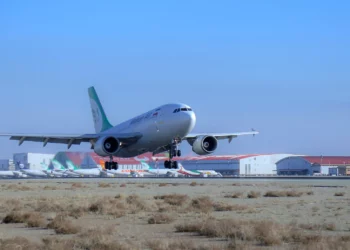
[
  {"x": 253, "y": 130},
  {"x": 101, "y": 122}
]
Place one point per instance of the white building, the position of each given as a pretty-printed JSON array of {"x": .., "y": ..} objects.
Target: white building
[
  {"x": 243, "y": 165},
  {"x": 32, "y": 160},
  {"x": 260, "y": 164}
]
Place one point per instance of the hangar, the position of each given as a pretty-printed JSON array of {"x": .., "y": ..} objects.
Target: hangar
[
  {"x": 225, "y": 164},
  {"x": 314, "y": 165},
  {"x": 243, "y": 165},
  {"x": 260, "y": 164}
]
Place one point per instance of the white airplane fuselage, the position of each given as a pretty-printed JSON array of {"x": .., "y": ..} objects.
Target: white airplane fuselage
[
  {"x": 165, "y": 172},
  {"x": 158, "y": 128},
  {"x": 34, "y": 172},
  {"x": 7, "y": 174},
  {"x": 129, "y": 172},
  {"x": 93, "y": 172},
  {"x": 55, "y": 173}
]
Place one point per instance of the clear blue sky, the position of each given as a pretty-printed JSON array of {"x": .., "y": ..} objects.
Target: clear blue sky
[{"x": 282, "y": 67}]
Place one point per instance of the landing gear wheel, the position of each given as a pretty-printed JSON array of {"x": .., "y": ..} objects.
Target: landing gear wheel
[
  {"x": 178, "y": 153},
  {"x": 108, "y": 165},
  {"x": 114, "y": 165},
  {"x": 167, "y": 164},
  {"x": 174, "y": 164}
]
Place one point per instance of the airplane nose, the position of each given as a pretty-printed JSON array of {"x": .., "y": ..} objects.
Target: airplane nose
[{"x": 190, "y": 118}]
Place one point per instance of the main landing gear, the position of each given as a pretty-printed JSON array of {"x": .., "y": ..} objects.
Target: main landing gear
[
  {"x": 111, "y": 165},
  {"x": 173, "y": 152}
]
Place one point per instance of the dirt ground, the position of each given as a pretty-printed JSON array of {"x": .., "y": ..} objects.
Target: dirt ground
[{"x": 147, "y": 213}]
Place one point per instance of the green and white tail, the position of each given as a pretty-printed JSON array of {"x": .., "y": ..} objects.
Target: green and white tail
[
  {"x": 57, "y": 165},
  {"x": 71, "y": 165},
  {"x": 146, "y": 166},
  {"x": 44, "y": 166},
  {"x": 98, "y": 114}
]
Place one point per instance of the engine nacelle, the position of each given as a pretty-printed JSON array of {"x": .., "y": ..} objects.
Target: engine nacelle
[
  {"x": 204, "y": 145},
  {"x": 106, "y": 146}
]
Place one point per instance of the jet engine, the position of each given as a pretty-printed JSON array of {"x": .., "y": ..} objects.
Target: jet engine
[
  {"x": 204, "y": 145},
  {"x": 106, "y": 146}
]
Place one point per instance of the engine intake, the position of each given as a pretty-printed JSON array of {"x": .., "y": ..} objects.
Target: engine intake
[
  {"x": 106, "y": 146},
  {"x": 204, "y": 145}
]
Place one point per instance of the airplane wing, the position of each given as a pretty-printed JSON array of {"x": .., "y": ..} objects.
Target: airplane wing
[
  {"x": 220, "y": 136},
  {"x": 126, "y": 138},
  {"x": 190, "y": 138}
]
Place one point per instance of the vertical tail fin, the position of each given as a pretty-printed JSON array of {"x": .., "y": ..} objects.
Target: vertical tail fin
[
  {"x": 101, "y": 122},
  {"x": 71, "y": 165},
  {"x": 145, "y": 166},
  {"x": 44, "y": 166},
  {"x": 57, "y": 165}
]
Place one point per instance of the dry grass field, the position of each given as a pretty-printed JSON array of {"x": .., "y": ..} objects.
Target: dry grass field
[{"x": 181, "y": 214}]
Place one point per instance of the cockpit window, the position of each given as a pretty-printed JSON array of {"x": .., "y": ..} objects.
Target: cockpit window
[{"x": 182, "y": 109}]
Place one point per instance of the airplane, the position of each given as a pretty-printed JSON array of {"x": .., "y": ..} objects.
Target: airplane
[
  {"x": 210, "y": 173},
  {"x": 46, "y": 171},
  {"x": 122, "y": 173},
  {"x": 58, "y": 170},
  {"x": 7, "y": 174},
  {"x": 90, "y": 172},
  {"x": 160, "y": 171},
  {"x": 19, "y": 174},
  {"x": 159, "y": 130},
  {"x": 129, "y": 170},
  {"x": 201, "y": 173},
  {"x": 33, "y": 172}
]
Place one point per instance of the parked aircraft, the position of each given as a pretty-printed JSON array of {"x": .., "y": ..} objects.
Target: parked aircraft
[
  {"x": 158, "y": 130},
  {"x": 7, "y": 174},
  {"x": 161, "y": 171},
  {"x": 201, "y": 173},
  {"x": 33, "y": 172},
  {"x": 80, "y": 172},
  {"x": 58, "y": 170},
  {"x": 209, "y": 173}
]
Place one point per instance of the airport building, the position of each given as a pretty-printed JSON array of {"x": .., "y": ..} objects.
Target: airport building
[
  {"x": 242, "y": 165},
  {"x": 31, "y": 160},
  {"x": 4, "y": 164},
  {"x": 227, "y": 165},
  {"x": 88, "y": 160},
  {"x": 314, "y": 165}
]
